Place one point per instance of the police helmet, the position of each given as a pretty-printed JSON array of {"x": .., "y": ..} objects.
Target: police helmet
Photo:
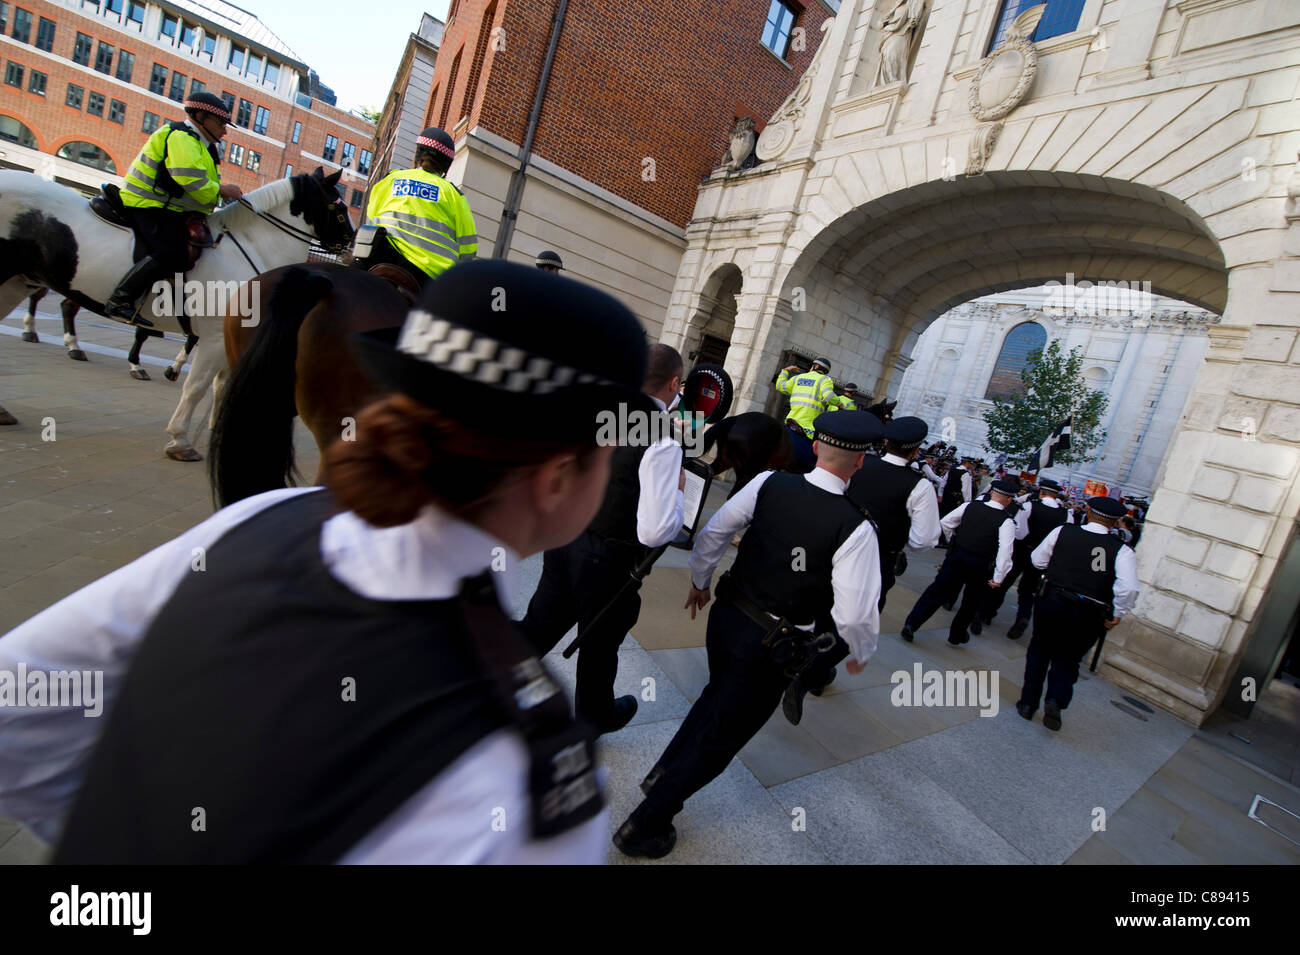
[{"x": 205, "y": 102}]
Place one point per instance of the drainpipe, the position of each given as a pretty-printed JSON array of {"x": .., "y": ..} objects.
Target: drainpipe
[{"x": 510, "y": 213}]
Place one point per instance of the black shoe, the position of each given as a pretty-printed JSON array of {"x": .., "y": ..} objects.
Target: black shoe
[
  {"x": 1018, "y": 629},
  {"x": 829, "y": 680},
  {"x": 948, "y": 606},
  {"x": 964, "y": 638},
  {"x": 1025, "y": 710},
  {"x": 1052, "y": 715},
  {"x": 907, "y": 633},
  {"x": 977, "y": 626},
  {"x": 624, "y": 710},
  {"x": 651, "y": 778},
  {"x": 792, "y": 701},
  {"x": 631, "y": 841}
]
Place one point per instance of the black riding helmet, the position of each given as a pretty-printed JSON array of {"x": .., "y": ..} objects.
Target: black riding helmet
[
  {"x": 438, "y": 145},
  {"x": 206, "y": 102}
]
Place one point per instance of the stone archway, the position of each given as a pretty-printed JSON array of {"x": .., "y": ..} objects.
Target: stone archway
[{"x": 714, "y": 319}]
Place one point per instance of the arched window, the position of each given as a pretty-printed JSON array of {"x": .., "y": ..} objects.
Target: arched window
[
  {"x": 1014, "y": 357},
  {"x": 16, "y": 132},
  {"x": 88, "y": 154},
  {"x": 476, "y": 66},
  {"x": 945, "y": 369}
]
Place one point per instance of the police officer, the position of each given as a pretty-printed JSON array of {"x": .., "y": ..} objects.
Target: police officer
[
  {"x": 897, "y": 497},
  {"x": 982, "y": 536},
  {"x": 426, "y": 220},
  {"x": 817, "y": 574},
  {"x": 849, "y": 400},
  {"x": 1035, "y": 521},
  {"x": 1089, "y": 583},
  {"x": 810, "y": 393},
  {"x": 642, "y": 510},
  {"x": 174, "y": 177},
  {"x": 549, "y": 261}
]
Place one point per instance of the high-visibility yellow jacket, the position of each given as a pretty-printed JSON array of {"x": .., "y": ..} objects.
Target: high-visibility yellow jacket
[
  {"x": 847, "y": 404},
  {"x": 175, "y": 170},
  {"x": 425, "y": 217},
  {"x": 810, "y": 393}
]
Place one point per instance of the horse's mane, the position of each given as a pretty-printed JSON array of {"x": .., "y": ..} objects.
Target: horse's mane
[{"x": 263, "y": 199}]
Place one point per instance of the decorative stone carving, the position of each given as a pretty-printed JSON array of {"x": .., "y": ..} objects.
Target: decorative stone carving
[
  {"x": 981, "y": 147},
  {"x": 1004, "y": 76},
  {"x": 900, "y": 29},
  {"x": 778, "y": 134},
  {"x": 742, "y": 144}
]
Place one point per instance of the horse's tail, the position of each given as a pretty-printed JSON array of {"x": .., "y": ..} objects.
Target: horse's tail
[{"x": 251, "y": 450}]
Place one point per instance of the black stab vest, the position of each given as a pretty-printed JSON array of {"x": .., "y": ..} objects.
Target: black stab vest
[
  {"x": 791, "y": 513},
  {"x": 1042, "y": 521},
  {"x": 616, "y": 519},
  {"x": 978, "y": 531},
  {"x": 1073, "y": 556},
  {"x": 235, "y": 704},
  {"x": 883, "y": 489},
  {"x": 951, "y": 498}
]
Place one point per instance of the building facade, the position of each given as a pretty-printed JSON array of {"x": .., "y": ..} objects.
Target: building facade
[
  {"x": 1144, "y": 361},
  {"x": 936, "y": 151},
  {"x": 86, "y": 82},
  {"x": 638, "y": 103},
  {"x": 402, "y": 118}
]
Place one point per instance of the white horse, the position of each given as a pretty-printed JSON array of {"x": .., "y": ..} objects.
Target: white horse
[{"x": 49, "y": 238}]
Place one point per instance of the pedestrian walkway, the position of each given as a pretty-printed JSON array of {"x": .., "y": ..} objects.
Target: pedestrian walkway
[{"x": 859, "y": 780}]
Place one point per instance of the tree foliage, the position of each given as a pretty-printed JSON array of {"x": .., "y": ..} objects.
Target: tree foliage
[{"x": 1054, "y": 390}]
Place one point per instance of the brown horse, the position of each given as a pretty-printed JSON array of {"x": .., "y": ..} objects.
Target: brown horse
[{"x": 295, "y": 361}]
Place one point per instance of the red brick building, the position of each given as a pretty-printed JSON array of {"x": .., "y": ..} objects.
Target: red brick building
[{"x": 86, "y": 82}]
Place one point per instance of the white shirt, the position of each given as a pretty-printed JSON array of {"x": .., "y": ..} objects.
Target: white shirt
[
  {"x": 43, "y": 751},
  {"x": 1126, "y": 589},
  {"x": 1022, "y": 519},
  {"x": 855, "y": 567},
  {"x": 922, "y": 508},
  {"x": 660, "y": 503},
  {"x": 1006, "y": 536},
  {"x": 966, "y": 494},
  {"x": 932, "y": 477}
]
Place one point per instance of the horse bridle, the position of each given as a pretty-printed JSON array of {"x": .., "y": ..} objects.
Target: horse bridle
[{"x": 338, "y": 208}]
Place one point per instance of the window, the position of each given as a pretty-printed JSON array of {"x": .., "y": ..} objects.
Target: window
[
  {"x": 135, "y": 12},
  {"x": 363, "y": 165},
  {"x": 297, "y": 131},
  {"x": 476, "y": 65},
  {"x": 116, "y": 111},
  {"x": 272, "y": 73},
  {"x": 1014, "y": 358},
  {"x": 254, "y": 160},
  {"x": 228, "y": 98},
  {"x": 348, "y": 150},
  {"x": 150, "y": 123},
  {"x": 74, "y": 95},
  {"x": 22, "y": 25},
  {"x": 95, "y": 104},
  {"x": 16, "y": 132},
  {"x": 169, "y": 25},
  {"x": 777, "y": 29},
  {"x": 125, "y": 66},
  {"x": 451, "y": 88},
  {"x": 113, "y": 6},
  {"x": 81, "y": 52},
  {"x": 93, "y": 3},
  {"x": 236, "y": 154},
  {"x": 356, "y": 199},
  {"x": 209, "y": 46},
  {"x": 1061, "y": 16},
  {"x": 45, "y": 35},
  {"x": 196, "y": 86},
  {"x": 14, "y": 74},
  {"x": 254, "y": 66},
  {"x": 177, "y": 92},
  {"x": 4, "y": 18},
  {"x": 187, "y": 34},
  {"x": 331, "y": 144},
  {"x": 236, "y": 61},
  {"x": 104, "y": 58},
  {"x": 158, "y": 79},
  {"x": 262, "y": 120},
  {"x": 37, "y": 83},
  {"x": 221, "y": 150},
  {"x": 288, "y": 170},
  {"x": 245, "y": 112},
  {"x": 88, "y": 154}
]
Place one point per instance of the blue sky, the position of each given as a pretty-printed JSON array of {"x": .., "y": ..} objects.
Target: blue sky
[{"x": 355, "y": 47}]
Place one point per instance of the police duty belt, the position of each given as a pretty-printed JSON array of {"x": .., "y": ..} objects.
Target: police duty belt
[{"x": 790, "y": 647}]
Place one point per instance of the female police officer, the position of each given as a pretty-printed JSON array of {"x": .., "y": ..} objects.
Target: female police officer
[{"x": 326, "y": 675}]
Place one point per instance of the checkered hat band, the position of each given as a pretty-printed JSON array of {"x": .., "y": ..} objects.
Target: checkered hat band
[
  {"x": 434, "y": 144},
  {"x": 834, "y": 442},
  {"x": 207, "y": 108},
  {"x": 484, "y": 359}
]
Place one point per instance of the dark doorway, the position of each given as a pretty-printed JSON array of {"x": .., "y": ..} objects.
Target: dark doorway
[{"x": 713, "y": 350}]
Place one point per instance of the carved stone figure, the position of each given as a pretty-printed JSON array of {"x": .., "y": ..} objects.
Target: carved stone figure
[
  {"x": 900, "y": 29},
  {"x": 981, "y": 147},
  {"x": 742, "y": 143}
]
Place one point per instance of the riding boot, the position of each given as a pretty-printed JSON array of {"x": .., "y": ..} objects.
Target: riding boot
[{"x": 122, "y": 303}]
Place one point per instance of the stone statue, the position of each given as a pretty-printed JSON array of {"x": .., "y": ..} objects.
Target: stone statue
[
  {"x": 742, "y": 143},
  {"x": 900, "y": 29}
]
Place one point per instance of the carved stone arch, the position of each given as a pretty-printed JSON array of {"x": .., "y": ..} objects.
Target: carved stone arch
[{"x": 708, "y": 336}]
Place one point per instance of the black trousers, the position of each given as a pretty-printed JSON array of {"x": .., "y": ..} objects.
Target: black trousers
[
  {"x": 578, "y": 581},
  {"x": 1064, "y": 631},
  {"x": 162, "y": 234},
  {"x": 385, "y": 251},
  {"x": 744, "y": 689},
  {"x": 960, "y": 569},
  {"x": 1022, "y": 568}
]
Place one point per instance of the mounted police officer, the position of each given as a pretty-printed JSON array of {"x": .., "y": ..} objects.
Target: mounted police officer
[
  {"x": 427, "y": 223},
  {"x": 849, "y": 400},
  {"x": 174, "y": 177},
  {"x": 1037, "y": 519},
  {"x": 792, "y": 581},
  {"x": 810, "y": 393},
  {"x": 549, "y": 261},
  {"x": 1089, "y": 583}
]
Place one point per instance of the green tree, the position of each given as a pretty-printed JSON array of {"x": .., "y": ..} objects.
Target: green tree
[
  {"x": 373, "y": 115},
  {"x": 1054, "y": 390}
]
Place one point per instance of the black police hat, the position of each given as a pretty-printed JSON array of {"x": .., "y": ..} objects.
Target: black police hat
[
  {"x": 824, "y": 362},
  {"x": 850, "y": 430},
  {"x": 513, "y": 349},
  {"x": 205, "y": 102},
  {"x": 1047, "y": 484},
  {"x": 547, "y": 257},
  {"x": 906, "y": 433},
  {"x": 1107, "y": 506},
  {"x": 438, "y": 140},
  {"x": 1006, "y": 486},
  {"x": 850, "y": 387},
  {"x": 707, "y": 390}
]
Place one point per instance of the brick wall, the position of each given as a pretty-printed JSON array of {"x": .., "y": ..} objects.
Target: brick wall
[
  {"x": 55, "y": 124},
  {"x": 630, "y": 81}
]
